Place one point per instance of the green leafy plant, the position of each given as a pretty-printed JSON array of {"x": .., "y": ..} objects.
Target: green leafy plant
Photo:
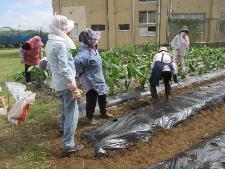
[
  {"x": 131, "y": 64},
  {"x": 125, "y": 66},
  {"x": 203, "y": 59},
  {"x": 74, "y": 51},
  {"x": 38, "y": 75}
]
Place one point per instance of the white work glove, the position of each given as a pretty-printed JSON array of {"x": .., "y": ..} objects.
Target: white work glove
[
  {"x": 76, "y": 94},
  {"x": 75, "y": 91}
]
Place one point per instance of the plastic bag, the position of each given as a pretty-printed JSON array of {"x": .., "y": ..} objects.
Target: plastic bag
[
  {"x": 16, "y": 89},
  {"x": 20, "y": 109}
]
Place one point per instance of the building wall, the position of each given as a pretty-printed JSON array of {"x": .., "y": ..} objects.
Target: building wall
[
  {"x": 220, "y": 36},
  {"x": 78, "y": 15},
  {"x": 141, "y": 6},
  {"x": 112, "y": 13},
  {"x": 123, "y": 15},
  {"x": 212, "y": 10}
]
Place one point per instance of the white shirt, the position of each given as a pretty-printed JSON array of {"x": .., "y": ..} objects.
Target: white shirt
[
  {"x": 178, "y": 43},
  {"x": 166, "y": 59},
  {"x": 21, "y": 52}
]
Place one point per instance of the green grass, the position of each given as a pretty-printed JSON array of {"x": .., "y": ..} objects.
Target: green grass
[
  {"x": 26, "y": 145},
  {"x": 9, "y": 65}
]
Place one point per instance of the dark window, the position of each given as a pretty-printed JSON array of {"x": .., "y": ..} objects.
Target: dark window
[
  {"x": 98, "y": 27},
  {"x": 143, "y": 16},
  {"x": 222, "y": 22},
  {"x": 124, "y": 27},
  {"x": 147, "y": 30},
  {"x": 147, "y": 0},
  {"x": 147, "y": 16},
  {"x": 151, "y": 29}
]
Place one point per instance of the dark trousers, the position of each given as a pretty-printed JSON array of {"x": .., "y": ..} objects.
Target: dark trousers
[
  {"x": 27, "y": 74},
  {"x": 167, "y": 75},
  {"x": 91, "y": 100}
]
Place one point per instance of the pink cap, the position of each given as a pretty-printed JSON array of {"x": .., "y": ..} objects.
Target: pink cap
[{"x": 35, "y": 42}]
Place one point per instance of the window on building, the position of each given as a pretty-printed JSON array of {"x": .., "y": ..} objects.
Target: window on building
[
  {"x": 147, "y": 0},
  {"x": 74, "y": 31},
  {"x": 196, "y": 27},
  {"x": 147, "y": 30},
  {"x": 147, "y": 17},
  {"x": 98, "y": 27},
  {"x": 222, "y": 22},
  {"x": 124, "y": 27}
]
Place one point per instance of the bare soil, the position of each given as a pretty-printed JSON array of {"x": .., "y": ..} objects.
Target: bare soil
[{"x": 165, "y": 144}]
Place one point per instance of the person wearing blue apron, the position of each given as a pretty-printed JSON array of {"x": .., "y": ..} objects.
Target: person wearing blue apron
[{"x": 162, "y": 67}]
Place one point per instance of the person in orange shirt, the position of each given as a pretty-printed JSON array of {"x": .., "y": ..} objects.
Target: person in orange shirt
[{"x": 30, "y": 54}]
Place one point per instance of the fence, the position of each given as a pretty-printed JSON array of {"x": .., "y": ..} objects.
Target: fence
[{"x": 15, "y": 39}]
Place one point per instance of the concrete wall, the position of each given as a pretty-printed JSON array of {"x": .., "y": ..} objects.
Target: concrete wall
[{"x": 111, "y": 13}]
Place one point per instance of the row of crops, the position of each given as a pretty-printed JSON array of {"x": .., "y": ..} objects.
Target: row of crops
[{"x": 129, "y": 67}]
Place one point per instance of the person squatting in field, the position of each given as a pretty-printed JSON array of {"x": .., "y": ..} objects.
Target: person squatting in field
[
  {"x": 88, "y": 65},
  {"x": 63, "y": 72},
  {"x": 162, "y": 66},
  {"x": 180, "y": 45},
  {"x": 30, "y": 54}
]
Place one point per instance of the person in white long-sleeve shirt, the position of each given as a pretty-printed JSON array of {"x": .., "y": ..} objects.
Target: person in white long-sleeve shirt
[
  {"x": 180, "y": 45},
  {"x": 60, "y": 60},
  {"x": 162, "y": 66}
]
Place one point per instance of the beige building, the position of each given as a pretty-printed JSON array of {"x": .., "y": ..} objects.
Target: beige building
[{"x": 138, "y": 21}]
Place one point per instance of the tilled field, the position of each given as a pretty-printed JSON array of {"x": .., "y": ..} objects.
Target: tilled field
[{"x": 165, "y": 144}]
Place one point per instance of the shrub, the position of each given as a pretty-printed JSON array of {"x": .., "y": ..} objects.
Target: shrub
[
  {"x": 2, "y": 46},
  {"x": 10, "y": 45}
]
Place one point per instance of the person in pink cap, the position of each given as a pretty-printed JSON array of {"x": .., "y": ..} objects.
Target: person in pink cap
[{"x": 30, "y": 53}]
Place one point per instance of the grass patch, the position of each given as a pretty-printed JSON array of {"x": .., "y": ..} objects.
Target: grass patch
[
  {"x": 10, "y": 65},
  {"x": 24, "y": 146},
  {"x": 31, "y": 158}
]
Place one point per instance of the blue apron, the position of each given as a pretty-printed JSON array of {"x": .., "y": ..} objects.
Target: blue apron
[{"x": 157, "y": 71}]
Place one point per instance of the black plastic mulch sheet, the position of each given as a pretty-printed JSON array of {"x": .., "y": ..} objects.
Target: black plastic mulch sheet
[
  {"x": 210, "y": 155},
  {"x": 124, "y": 97},
  {"x": 141, "y": 124}
]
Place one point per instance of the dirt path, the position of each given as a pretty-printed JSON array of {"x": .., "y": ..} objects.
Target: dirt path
[{"x": 164, "y": 144}]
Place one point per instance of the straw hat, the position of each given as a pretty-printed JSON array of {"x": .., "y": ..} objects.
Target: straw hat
[{"x": 163, "y": 49}]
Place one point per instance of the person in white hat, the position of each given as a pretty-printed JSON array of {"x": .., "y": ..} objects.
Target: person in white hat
[
  {"x": 60, "y": 60},
  {"x": 180, "y": 45},
  {"x": 162, "y": 66}
]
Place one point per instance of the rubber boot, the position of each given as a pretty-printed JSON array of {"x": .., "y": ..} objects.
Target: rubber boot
[
  {"x": 167, "y": 91},
  {"x": 154, "y": 94},
  {"x": 167, "y": 98}
]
